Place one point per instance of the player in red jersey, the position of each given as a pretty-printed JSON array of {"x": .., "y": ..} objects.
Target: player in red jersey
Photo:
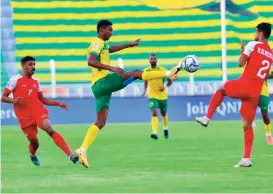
[
  {"x": 258, "y": 57},
  {"x": 29, "y": 108}
]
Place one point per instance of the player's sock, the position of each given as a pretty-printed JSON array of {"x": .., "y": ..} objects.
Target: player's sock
[
  {"x": 248, "y": 142},
  {"x": 165, "y": 126},
  {"x": 90, "y": 136},
  {"x": 128, "y": 81},
  {"x": 154, "y": 124},
  {"x": 216, "y": 100},
  {"x": 61, "y": 143},
  {"x": 149, "y": 75},
  {"x": 165, "y": 122},
  {"x": 267, "y": 129},
  {"x": 32, "y": 149}
]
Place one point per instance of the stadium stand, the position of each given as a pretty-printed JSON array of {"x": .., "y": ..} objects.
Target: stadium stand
[
  {"x": 4, "y": 74},
  {"x": 61, "y": 30},
  {"x": 8, "y": 58}
]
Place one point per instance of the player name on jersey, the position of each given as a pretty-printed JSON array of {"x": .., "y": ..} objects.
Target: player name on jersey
[{"x": 265, "y": 53}]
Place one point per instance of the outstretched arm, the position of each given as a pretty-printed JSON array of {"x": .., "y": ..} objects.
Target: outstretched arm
[
  {"x": 145, "y": 88},
  {"x": 113, "y": 49},
  {"x": 50, "y": 102},
  {"x": 170, "y": 82}
]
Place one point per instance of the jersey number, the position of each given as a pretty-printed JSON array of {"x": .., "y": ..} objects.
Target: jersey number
[
  {"x": 265, "y": 66},
  {"x": 29, "y": 91}
]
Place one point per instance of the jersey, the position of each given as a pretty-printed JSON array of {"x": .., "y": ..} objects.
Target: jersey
[
  {"x": 155, "y": 85},
  {"x": 26, "y": 88},
  {"x": 99, "y": 48},
  {"x": 260, "y": 58},
  {"x": 265, "y": 91}
]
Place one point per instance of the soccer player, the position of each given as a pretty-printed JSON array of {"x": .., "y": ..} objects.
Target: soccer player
[
  {"x": 263, "y": 104},
  {"x": 104, "y": 83},
  {"x": 28, "y": 101},
  {"x": 258, "y": 57},
  {"x": 158, "y": 98}
]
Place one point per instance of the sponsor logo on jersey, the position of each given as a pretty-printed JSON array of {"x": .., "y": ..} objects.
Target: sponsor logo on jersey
[{"x": 95, "y": 46}]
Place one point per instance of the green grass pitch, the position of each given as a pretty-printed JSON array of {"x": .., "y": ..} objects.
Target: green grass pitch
[{"x": 125, "y": 159}]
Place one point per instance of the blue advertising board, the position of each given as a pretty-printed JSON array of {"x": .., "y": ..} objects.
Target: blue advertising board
[{"x": 134, "y": 109}]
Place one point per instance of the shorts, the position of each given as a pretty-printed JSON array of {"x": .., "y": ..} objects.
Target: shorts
[
  {"x": 239, "y": 89},
  {"x": 263, "y": 103},
  {"x": 162, "y": 105},
  {"x": 30, "y": 126},
  {"x": 104, "y": 88}
]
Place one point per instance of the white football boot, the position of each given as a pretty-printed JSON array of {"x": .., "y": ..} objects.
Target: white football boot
[
  {"x": 204, "y": 121},
  {"x": 244, "y": 162}
]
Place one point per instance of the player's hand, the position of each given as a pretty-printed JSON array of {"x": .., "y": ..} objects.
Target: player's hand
[
  {"x": 161, "y": 89},
  {"x": 63, "y": 105},
  {"x": 117, "y": 70},
  {"x": 135, "y": 43},
  {"x": 18, "y": 100},
  {"x": 242, "y": 46}
]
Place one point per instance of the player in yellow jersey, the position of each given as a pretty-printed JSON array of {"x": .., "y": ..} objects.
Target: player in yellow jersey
[
  {"x": 158, "y": 98},
  {"x": 263, "y": 104},
  {"x": 104, "y": 83}
]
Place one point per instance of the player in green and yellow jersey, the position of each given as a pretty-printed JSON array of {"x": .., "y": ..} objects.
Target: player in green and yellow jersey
[
  {"x": 263, "y": 104},
  {"x": 158, "y": 98},
  {"x": 104, "y": 83}
]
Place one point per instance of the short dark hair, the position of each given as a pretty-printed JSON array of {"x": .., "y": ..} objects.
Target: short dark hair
[
  {"x": 103, "y": 23},
  {"x": 265, "y": 28},
  {"x": 26, "y": 59},
  {"x": 153, "y": 55}
]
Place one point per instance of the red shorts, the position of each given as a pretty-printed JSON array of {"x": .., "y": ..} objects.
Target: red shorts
[
  {"x": 244, "y": 91},
  {"x": 29, "y": 126}
]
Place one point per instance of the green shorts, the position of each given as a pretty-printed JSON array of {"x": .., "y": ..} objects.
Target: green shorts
[
  {"x": 104, "y": 88},
  {"x": 263, "y": 103},
  {"x": 162, "y": 105}
]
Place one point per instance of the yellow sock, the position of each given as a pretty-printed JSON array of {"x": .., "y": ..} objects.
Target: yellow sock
[
  {"x": 154, "y": 124},
  {"x": 165, "y": 121},
  {"x": 90, "y": 136},
  {"x": 267, "y": 128},
  {"x": 149, "y": 75}
]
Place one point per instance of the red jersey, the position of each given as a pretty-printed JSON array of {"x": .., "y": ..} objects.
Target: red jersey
[
  {"x": 27, "y": 89},
  {"x": 260, "y": 58}
]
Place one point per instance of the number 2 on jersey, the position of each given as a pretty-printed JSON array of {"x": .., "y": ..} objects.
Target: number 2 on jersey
[{"x": 265, "y": 66}]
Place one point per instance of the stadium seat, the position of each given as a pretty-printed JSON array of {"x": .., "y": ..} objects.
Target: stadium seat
[{"x": 62, "y": 30}]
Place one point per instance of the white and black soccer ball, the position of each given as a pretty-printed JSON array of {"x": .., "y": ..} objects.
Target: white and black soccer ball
[{"x": 191, "y": 63}]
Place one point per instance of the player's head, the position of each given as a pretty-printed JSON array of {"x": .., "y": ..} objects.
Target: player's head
[
  {"x": 263, "y": 31},
  {"x": 104, "y": 28},
  {"x": 153, "y": 60},
  {"x": 28, "y": 65}
]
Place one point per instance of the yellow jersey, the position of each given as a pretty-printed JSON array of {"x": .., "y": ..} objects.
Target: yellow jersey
[
  {"x": 155, "y": 85},
  {"x": 265, "y": 91},
  {"x": 99, "y": 48}
]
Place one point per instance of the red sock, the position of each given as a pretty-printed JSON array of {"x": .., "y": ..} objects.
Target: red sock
[
  {"x": 60, "y": 142},
  {"x": 32, "y": 149},
  {"x": 216, "y": 100},
  {"x": 248, "y": 138}
]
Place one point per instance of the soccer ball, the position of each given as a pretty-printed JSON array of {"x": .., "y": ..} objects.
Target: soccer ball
[{"x": 191, "y": 63}]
